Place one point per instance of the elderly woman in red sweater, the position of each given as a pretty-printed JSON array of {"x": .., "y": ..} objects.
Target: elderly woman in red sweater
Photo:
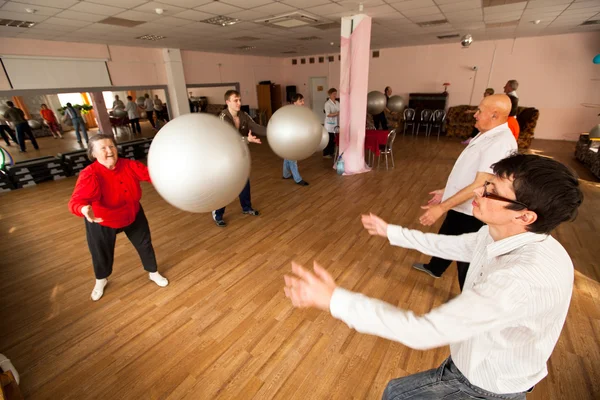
[{"x": 108, "y": 195}]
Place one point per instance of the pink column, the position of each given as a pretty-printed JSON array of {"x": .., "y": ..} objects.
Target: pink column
[
  {"x": 354, "y": 83},
  {"x": 101, "y": 113}
]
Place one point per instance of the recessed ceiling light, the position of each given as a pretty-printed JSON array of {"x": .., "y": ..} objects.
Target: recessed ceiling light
[
  {"x": 31, "y": 10},
  {"x": 159, "y": 11},
  {"x": 537, "y": 21}
]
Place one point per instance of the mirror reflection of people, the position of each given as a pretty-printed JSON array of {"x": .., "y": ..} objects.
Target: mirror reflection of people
[
  {"x": 133, "y": 114},
  {"x": 51, "y": 121},
  {"x": 74, "y": 114},
  {"x": 17, "y": 117},
  {"x": 290, "y": 167},
  {"x": 107, "y": 195},
  {"x": 118, "y": 104}
]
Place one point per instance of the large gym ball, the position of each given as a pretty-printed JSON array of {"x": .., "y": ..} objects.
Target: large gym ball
[
  {"x": 395, "y": 104},
  {"x": 198, "y": 163},
  {"x": 119, "y": 113},
  {"x": 141, "y": 101},
  {"x": 294, "y": 132},
  {"x": 324, "y": 140},
  {"x": 34, "y": 124},
  {"x": 375, "y": 102},
  {"x": 143, "y": 115}
]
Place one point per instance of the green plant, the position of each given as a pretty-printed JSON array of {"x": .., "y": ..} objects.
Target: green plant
[{"x": 83, "y": 108}]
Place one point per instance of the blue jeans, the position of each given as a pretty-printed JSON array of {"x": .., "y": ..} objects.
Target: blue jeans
[
  {"x": 79, "y": 124},
  {"x": 290, "y": 168},
  {"x": 245, "y": 202},
  {"x": 445, "y": 382}
]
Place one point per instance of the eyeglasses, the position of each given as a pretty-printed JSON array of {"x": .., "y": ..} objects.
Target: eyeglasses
[{"x": 493, "y": 196}]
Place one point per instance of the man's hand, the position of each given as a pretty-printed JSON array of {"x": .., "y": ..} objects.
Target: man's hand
[
  {"x": 437, "y": 197},
  {"x": 252, "y": 138},
  {"x": 433, "y": 213},
  {"x": 309, "y": 290},
  {"x": 375, "y": 225},
  {"x": 88, "y": 213}
]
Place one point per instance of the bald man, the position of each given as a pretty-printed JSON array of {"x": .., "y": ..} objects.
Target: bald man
[{"x": 471, "y": 170}]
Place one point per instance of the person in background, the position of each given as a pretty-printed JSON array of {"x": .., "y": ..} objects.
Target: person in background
[
  {"x": 488, "y": 92},
  {"x": 74, "y": 114},
  {"x": 511, "y": 91},
  {"x": 290, "y": 167},
  {"x": 5, "y": 131},
  {"x": 161, "y": 111},
  {"x": 380, "y": 120},
  {"x": 133, "y": 114},
  {"x": 17, "y": 117},
  {"x": 332, "y": 120},
  {"x": 107, "y": 194},
  {"x": 118, "y": 104},
  {"x": 51, "y": 121},
  {"x": 149, "y": 108}
]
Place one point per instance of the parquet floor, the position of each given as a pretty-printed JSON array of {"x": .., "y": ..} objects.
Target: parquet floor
[{"x": 223, "y": 328}]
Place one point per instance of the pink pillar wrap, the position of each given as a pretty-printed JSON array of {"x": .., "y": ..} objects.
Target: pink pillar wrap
[{"x": 354, "y": 83}]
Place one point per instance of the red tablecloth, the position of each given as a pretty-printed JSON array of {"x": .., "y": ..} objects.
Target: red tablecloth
[{"x": 373, "y": 139}]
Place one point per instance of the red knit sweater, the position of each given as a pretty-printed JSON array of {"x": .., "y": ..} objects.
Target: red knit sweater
[{"x": 114, "y": 194}]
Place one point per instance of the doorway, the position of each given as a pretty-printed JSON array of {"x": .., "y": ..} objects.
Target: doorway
[{"x": 318, "y": 96}]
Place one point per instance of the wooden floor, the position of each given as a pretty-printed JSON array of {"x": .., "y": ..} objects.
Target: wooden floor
[{"x": 223, "y": 328}]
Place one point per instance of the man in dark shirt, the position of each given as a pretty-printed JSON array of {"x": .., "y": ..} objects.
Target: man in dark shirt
[
  {"x": 17, "y": 117},
  {"x": 511, "y": 91},
  {"x": 244, "y": 125}
]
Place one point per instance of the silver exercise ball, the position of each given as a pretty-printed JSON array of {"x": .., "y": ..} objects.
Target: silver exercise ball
[
  {"x": 34, "y": 124},
  {"x": 324, "y": 140},
  {"x": 119, "y": 113},
  {"x": 141, "y": 101},
  {"x": 375, "y": 102},
  {"x": 198, "y": 163},
  {"x": 395, "y": 104},
  {"x": 294, "y": 132}
]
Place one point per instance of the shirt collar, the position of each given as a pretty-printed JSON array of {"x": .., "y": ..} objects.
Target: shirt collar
[
  {"x": 504, "y": 246},
  {"x": 492, "y": 131},
  {"x": 513, "y": 93}
]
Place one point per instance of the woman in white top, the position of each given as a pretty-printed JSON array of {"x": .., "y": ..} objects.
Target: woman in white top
[
  {"x": 133, "y": 115},
  {"x": 332, "y": 113}
]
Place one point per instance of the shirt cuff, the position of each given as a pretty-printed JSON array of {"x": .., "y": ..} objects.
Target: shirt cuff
[{"x": 338, "y": 305}]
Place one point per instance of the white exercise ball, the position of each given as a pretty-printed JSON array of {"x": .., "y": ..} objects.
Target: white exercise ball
[
  {"x": 376, "y": 102},
  {"x": 3, "y": 109},
  {"x": 34, "y": 124},
  {"x": 324, "y": 140},
  {"x": 395, "y": 104},
  {"x": 294, "y": 132},
  {"x": 198, "y": 163},
  {"x": 119, "y": 113}
]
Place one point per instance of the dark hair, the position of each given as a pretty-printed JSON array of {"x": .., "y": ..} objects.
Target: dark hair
[
  {"x": 549, "y": 188},
  {"x": 332, "y": 90},
  {"x": 146, "y": 95},
  {"x": 10, "y": 103},
  {"x": 69, "y": 105},
  {"x": 489, "y": 90},
  {"x": 296, "y": 97},
  {"x": 94, "y": 139},
  {"x": 43, "y": 105},
  {"x": 230, "y": 93},
  {"x": 129, "y": 98},
  {"x": 386, "y": 89}
]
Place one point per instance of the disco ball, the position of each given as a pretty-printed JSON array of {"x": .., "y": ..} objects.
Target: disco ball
[{"x": 466, "y": 41}]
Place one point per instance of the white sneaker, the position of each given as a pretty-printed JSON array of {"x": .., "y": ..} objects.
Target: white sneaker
[
  {"x": 158, "y": 279},
  {"x": 99, "y": 289},
  {"x": 6, "y": 365}
]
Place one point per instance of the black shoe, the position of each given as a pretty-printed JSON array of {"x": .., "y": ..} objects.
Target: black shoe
[
  {"x": 423, "y": 268},
  {"x": 302, "y": 183},
  {"x": 220, "y": 223},
  {"x": 251, "y": 212}
]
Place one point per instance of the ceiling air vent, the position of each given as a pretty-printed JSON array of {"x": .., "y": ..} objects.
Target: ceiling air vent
[
  {"x": 291, "y": 20},
  {"x": 591, "y": 22},
  {"x": 151, "y": 37},
  {"x": 310, "y": 38},
  {"x": 221, "y": 20},
  {"x": 246, "y": 48},
  {"x": 448, "y": 36},
  {"x": 246, "y": 38},
  {"x": 16, "y": 24},
  {"x": 127, "y": 23},
  {"x": 289, "y": 52},
  {"x": 502, "y": 24},
  {"x": 437, "y": 22}
]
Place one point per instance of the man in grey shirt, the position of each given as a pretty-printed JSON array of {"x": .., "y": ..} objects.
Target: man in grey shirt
[{"x": 17, "y": 117}]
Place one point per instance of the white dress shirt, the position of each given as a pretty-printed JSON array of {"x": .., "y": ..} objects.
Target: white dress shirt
[
  {"x": 132, "y": 110},
  {"x": 331, "y": 107},
  {"x": 504, "y": 325},
  {"x": 484, "y": 150},
  {"x": 149, "y": 105}
]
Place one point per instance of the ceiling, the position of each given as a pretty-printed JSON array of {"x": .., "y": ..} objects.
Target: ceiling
[{"x": 395, "y": 22}]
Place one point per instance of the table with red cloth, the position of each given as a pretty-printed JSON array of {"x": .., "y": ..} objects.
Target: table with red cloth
[{"x": 373, "y": 140}]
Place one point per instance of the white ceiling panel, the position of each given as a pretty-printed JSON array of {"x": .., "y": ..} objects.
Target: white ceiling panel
[
  {"x": 86, "y": 7},
  {"x": 20, "y": 8},
  {"x": 54, "y": 3},
  {"x": 79, "y": 16}
]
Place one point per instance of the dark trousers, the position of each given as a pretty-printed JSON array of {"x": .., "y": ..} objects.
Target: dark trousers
[
  {"x": 330, "y": 149},
  {"x": 4, "y": 130},
  {"x": 455, "y": 224},
  {"x": 22, "y": 129},
  {"x": 380, "y": 121},
  {"x": 245, "y": 202},
  {"x": 101, "y": 242},
  {"x": 150, "y": 116},
  {"x": 135, "y": 125}
]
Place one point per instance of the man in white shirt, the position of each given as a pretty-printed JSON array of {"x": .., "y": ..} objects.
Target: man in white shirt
[
  {"x": 472, "y": 168},
  {"x": 149, "y": 108},
  {"x": 504, "y": 325}
]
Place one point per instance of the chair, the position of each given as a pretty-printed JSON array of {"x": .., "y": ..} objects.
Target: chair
[
  {"x": 437, "y": 119},
  {"x": 425, "y": 120},
  {"x": 387, "y": 149},
  {"x": 409, "y": 119}
]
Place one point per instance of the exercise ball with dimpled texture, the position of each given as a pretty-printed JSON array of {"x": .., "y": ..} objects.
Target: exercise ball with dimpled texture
[
  {"x": 294, "y": 132},
  {"x": 34, "y": 124},
  {"x": 324, "y": 140},
  {"x": 395, "y": 104},
  {"x": 376, "y": 102},
  {"x": 198, "y": 163}
]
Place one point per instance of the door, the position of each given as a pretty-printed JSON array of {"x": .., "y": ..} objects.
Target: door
[{"x": 318, "y": 96}]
